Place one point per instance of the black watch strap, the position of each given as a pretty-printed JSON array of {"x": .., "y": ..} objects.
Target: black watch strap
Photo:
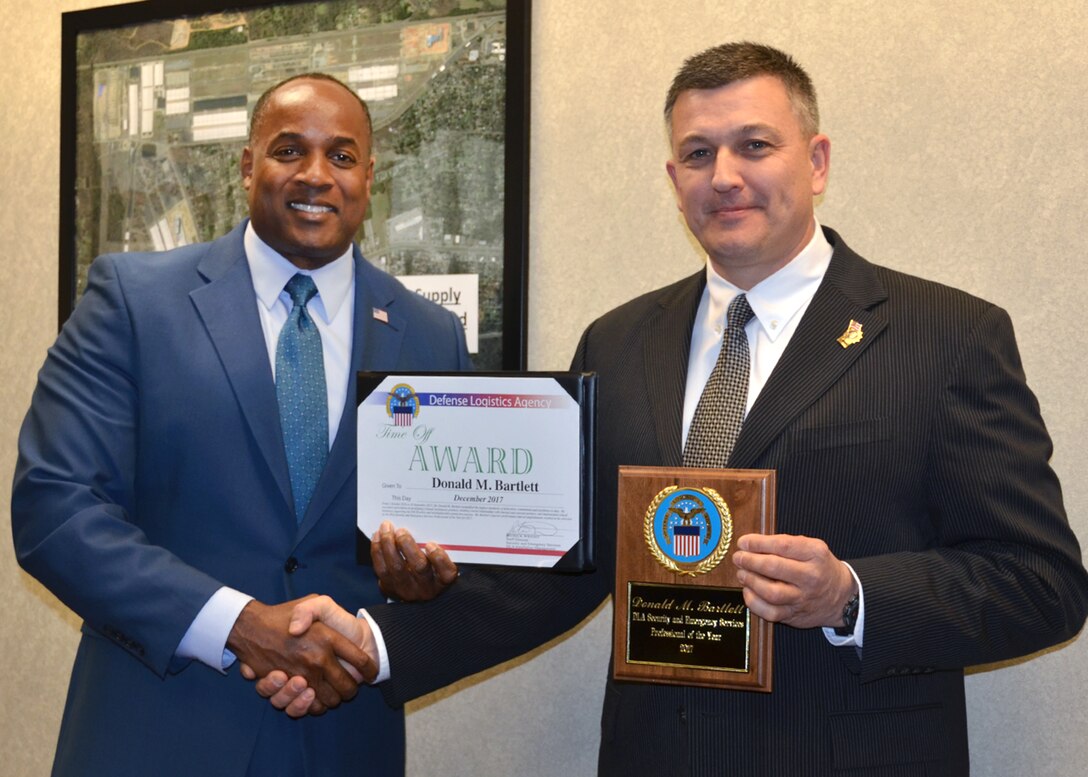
[{"x": 849, "y": 617}]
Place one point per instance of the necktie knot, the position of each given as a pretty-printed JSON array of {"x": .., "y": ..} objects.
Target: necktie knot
[
  {"x": 738, "y": 315},
  {"x": 301, "y": 289}
]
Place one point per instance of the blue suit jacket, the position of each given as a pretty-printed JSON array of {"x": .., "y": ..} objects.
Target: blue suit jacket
[{"x": 152, "y": 471}]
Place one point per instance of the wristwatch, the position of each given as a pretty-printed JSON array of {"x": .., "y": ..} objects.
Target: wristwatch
[{"x": 849, "y": 617}]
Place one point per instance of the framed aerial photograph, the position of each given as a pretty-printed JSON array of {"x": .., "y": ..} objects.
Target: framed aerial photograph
[{"x": 155, "y": 105}]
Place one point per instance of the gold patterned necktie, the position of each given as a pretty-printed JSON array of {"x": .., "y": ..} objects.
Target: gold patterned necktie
[{"x": 720, "y": 412}]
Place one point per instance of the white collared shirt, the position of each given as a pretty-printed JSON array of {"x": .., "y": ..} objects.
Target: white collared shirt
[
  {"x": 333, "y": 311},
  {"x": 778, "y": 302},
  {"x": 334, "y": 306}
]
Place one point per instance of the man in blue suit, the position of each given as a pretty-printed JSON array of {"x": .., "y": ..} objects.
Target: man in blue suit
[{"x": 154, "y": 494}]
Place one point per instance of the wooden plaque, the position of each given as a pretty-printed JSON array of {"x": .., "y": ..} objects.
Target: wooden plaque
[{"x": 680, "y": 615}]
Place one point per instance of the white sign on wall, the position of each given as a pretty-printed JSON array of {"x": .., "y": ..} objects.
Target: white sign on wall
[{"x": 459, "y": 293}]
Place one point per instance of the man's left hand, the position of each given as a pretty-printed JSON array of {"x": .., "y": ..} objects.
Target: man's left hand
[
  {"x": 406, "y": 571},
  {"x": 793, "y": 580}
]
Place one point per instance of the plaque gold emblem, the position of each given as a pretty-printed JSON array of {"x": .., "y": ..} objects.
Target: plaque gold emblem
[{"x": 710, "y": 513}]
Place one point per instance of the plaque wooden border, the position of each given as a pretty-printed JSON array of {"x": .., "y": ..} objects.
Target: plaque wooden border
[{"x": 749, "y": 498}]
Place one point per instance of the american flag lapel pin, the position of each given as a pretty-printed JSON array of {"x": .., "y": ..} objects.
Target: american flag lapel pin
[
  {"x": 380, "y": 315},
  {"x": 852, "y": 335}
]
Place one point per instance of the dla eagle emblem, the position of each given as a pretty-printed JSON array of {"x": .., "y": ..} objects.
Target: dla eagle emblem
[
  {"x": 402, "y": 404},
  {"x": 688, "y": 530}
]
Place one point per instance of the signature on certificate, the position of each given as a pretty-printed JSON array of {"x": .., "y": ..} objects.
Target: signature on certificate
[{"x": 532, "y": 530}]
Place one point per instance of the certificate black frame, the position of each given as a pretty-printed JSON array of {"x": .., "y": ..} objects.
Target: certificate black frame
[
  {"x": 582, "y": 388},
  {"x": 513, "y": 296}
]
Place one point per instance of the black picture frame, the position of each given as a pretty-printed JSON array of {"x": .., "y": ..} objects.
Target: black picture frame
[{"x": 78, "y": 246}]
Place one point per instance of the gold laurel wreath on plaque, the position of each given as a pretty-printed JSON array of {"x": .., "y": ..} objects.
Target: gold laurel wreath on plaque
[{"x": 710, "y": 561}]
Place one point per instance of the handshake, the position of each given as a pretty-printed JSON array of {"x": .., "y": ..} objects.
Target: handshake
[{"x": 310, "y": 654}]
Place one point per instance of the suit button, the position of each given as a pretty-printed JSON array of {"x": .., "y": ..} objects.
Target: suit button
[{"x": 291, "y": 565}]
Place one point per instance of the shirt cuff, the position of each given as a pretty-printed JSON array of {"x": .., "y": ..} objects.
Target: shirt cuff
[
  {"x": 857, "y": 638},
  {"x": 206, "y": 639},
  {"x": 383, "y": 654}
]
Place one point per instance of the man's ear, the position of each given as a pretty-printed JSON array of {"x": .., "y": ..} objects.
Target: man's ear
[
  {"x": 246, "y": 165},
  {"x": 670, "y": 168},
  {"x": 819, "y": 148}
]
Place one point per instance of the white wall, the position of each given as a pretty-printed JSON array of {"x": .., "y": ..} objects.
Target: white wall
[{"x": 958, "y": 153}]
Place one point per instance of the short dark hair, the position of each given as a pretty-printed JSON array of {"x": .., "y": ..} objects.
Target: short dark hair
[
  {"x": 729, "y": 62},
  {"x": 262, "y": 101}
]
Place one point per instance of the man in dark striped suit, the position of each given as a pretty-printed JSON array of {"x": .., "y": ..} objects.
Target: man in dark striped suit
[{"x": 921, "y": 527}]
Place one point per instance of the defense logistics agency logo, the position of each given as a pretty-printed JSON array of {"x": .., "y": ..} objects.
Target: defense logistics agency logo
[
  {"x": 688, "y": 530},
  {"x": 402, "y": 405}
]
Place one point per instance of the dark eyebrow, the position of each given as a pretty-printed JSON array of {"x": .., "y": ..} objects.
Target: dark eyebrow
[
  {"x": 743, "y": 131},
  {"x": 695, "y": 139},
  {"x": 281, "y": 136},
  {"x": 760, "y": 129},
  {"x": 336, "y": 141},
  {"x": 344, "y": 140}
]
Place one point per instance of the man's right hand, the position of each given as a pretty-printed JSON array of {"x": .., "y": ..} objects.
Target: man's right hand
[
  {"x": 293, "y": 694},
  {"x": 266, "y": 639}
]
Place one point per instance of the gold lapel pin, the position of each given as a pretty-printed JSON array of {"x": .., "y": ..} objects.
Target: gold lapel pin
[{"x": 852, "y": 335}]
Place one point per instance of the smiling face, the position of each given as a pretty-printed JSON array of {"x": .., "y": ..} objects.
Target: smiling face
[
  {"x": 745, "y": 174},
  {"x": 308, "y": 170}
]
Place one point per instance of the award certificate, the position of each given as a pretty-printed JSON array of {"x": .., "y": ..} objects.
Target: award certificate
[{"x": 490, "y": 468}]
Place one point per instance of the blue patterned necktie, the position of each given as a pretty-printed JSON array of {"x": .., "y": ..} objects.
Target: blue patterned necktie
[
  {"x": 300, "y": 390},
  {"x": 720, "y": 412}
]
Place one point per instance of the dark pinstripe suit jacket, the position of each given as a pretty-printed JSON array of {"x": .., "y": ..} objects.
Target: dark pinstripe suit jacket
[{"x": 918, "y": 455}]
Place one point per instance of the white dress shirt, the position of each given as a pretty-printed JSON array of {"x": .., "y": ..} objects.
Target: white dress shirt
[
  {"x": 778, "y": 302},
  {"x": 333, "y": 312}
]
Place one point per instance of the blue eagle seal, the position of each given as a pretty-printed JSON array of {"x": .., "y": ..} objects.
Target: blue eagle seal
[
  {"x": 688, "y": 530},
  {"x": 402, "y": 405}
]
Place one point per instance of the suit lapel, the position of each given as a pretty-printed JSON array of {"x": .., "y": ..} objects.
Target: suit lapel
[
  {"x": 375, "y": 344},
  {"x": 235, "y": 331},
  {"x": 665, "y": 357},
  {"x": 814, "y": 359}
]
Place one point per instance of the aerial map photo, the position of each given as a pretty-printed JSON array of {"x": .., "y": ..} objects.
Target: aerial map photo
[{"x": 162, "y": 116}]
